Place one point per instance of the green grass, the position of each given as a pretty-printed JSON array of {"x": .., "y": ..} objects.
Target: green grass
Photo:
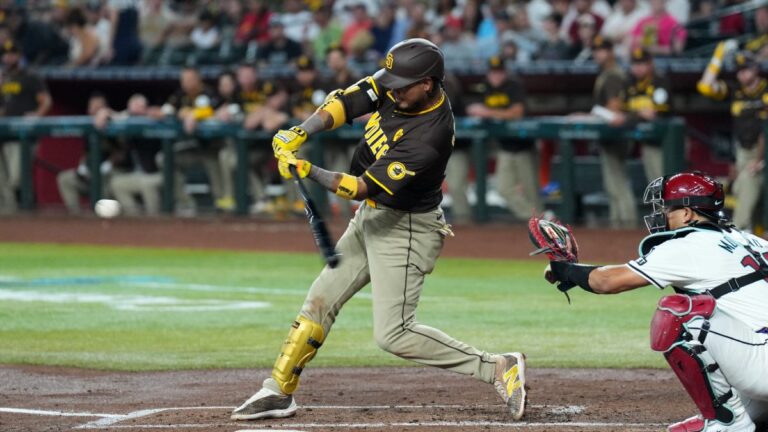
[{"x": 495, "y": 305}]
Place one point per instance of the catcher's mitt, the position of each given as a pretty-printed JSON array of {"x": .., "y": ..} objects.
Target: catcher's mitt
[{"x": 553, "y": 239}]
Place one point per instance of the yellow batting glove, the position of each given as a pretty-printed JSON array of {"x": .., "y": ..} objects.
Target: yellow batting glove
[
  {"x": 302, "y": 167},
  {"x": 288, "y": 140}
]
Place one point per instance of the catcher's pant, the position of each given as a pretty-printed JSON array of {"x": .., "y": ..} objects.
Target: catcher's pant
[
  {"x": 747, "y": 187},
  {"x": 517, "y": 180},
  {"x": 742, "y": 356},
  {"x": 393, "y": 250},
  {"x": 622, "y": 209}
]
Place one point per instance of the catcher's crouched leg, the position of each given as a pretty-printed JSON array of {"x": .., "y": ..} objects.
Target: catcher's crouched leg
[
  {"x": 303, "y": 340},
  {"x": 694, "y": 366}
]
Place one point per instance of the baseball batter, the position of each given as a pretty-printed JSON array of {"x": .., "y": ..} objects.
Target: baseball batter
[
  {"x": 396, "y": 235},
  {"x": 714, "y": 332}
]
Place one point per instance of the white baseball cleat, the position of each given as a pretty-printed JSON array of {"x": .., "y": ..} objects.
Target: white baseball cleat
[
  {"x": 742, "y": 423},
  {"x": 265, "y": 404},
  {"x": 510, "y": 382}
]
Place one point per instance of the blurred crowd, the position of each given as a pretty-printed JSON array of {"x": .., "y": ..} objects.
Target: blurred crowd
[
  {"x": 179, "y": 32},
  {"x": 331, "y": 45}
]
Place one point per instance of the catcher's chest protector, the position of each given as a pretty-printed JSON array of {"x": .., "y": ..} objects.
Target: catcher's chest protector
[{"x": 689, "y": 358}]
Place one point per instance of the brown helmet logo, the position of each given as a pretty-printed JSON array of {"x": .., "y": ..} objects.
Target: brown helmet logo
[{"x": 390, "y": 61}]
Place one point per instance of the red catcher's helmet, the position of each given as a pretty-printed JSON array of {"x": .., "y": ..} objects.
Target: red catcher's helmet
[{"x": 696, "y": 190}]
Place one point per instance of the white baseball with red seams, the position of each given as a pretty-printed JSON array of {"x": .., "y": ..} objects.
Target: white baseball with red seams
[{"x": 107, "y": 208}]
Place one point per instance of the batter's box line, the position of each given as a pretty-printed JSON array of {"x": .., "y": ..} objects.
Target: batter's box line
[{"x": 112, "y": 420}]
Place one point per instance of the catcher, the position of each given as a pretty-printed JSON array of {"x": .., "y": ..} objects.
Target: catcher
[{"x": 714, "y": 331}]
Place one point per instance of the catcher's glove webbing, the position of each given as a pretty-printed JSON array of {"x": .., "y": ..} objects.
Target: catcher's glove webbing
[
  {"x": 553, "y": 239},
  {"x": 557, "y": 242}
]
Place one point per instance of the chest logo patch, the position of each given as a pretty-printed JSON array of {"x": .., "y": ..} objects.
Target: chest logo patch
[
  {"x": 397, "y": 171},
  {"x": 398, "y": 134}
]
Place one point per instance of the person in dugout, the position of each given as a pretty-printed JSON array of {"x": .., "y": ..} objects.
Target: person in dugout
[{"x": 748, "y": 98}]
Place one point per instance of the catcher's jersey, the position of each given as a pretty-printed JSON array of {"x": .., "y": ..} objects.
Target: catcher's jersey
[
  {"x": 402, "y": 156},
  {"x": 697, "y": 259}
]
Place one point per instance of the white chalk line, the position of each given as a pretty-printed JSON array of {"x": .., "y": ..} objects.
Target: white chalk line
[
  {"x": 429, "y": 424},
  {"x": 112, "y": 420}
]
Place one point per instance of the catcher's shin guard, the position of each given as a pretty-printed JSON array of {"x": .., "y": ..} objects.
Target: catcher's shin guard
[
  {"x": 689, "y": 358},
  {"x": 305, "y": 337}
]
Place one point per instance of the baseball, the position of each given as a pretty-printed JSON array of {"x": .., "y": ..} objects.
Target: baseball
[{"x": 107, "y": 208}]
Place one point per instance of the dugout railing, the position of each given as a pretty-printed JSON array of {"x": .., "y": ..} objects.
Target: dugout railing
[{"x": 564, "y": 130}]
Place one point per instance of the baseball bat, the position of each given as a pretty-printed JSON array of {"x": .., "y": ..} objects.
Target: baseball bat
[{"x": 316, "y": 224}]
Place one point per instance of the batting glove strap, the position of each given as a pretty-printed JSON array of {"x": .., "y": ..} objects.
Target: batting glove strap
[{"x": 570, "y": 275}]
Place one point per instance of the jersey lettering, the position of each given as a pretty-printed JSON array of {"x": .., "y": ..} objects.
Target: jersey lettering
[
  {"x": 375, "y": 138},
  {"x": 728, "y": 244}
]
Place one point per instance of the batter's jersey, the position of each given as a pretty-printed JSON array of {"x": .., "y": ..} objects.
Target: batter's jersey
[
  {"x": 402, "y": 156},
  {"x": 695, "y": 259}
]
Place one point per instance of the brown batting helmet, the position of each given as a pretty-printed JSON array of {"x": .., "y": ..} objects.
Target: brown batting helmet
[{"x": 410, "y": 61}]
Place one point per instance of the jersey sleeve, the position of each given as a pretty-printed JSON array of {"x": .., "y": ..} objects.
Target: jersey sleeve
[
  {"x": 666, "y": 264},
  {"x": 403, "y": 164},
  {"x": 361, "y": 98},
  {"x": 614, "y": 87}
]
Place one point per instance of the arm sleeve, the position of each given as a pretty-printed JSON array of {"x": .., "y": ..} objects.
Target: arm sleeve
[{"x": 361, "y": 98}]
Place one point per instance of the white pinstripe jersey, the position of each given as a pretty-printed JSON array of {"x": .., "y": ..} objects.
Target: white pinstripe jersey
[{"x": 694, "y": 260}]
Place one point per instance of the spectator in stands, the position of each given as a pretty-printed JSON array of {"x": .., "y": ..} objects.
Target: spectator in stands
[
  {"x": 587, "y": 33},
  {"x": 382, "y": 29},
  {"x": 40, "y": 42},
  {"x": 524, "y": 35},
  {"x": 680, "y": 9},
  {"x": 254, "y": 25},
  {"x": 136, "y": 173},
  {"x": 124, "y": 44},
  {"x": 361, "y": 57},
  {"x": 659, "y": 33},
  {"x": 75, "y": 182},
  {"x": 489, "y": 35},
  {"x": 732, "y": 24},
  {"x": 279, "y": 50},
  {"x": 190, "y": 105},
  {"x": 341, "y": 76},
  {"x": 747, "y": 105},
  {"x": 758, "y": 45},
  {"x": 24, "y": 94},
  {"x": 648, "y": 99},
  {"x": 459, "y": 48},
  {"x": 263, "y": 102},
  {"x": 609, "y": 98},
  {"x": 297, "y": 20},
  {"x": 83, "y": 41},
  {"x": 361, "y": 22},
  {"x": 154, "y": 18},
  {"x": 307, "y": 93},
  {"x": 554, "y": 47},
  {"x": 577, "y": 10},
  {"x": 205, "y": 36},
  {"x": 620, "y": 23},
  {"x": 325, "y": 32},
  {"x": 504, "y": 99},
  {"x": 95, "y": 16}
]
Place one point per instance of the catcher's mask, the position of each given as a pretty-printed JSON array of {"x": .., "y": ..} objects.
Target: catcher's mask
[{"x": 695, "y": 190}]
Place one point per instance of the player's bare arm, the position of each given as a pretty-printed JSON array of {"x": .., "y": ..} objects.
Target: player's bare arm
[{"x": 614, "y": 279}]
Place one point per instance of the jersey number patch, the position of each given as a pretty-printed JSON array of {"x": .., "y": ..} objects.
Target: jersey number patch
[{"x": 750, "y": 261}]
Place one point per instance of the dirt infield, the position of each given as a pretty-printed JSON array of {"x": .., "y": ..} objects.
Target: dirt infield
[
  {"x": 370, "y": 399},
  {"x": 500, "y": 241}
]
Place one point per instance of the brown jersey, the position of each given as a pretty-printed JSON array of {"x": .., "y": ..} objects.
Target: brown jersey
[{"x": 402, "y": 156}]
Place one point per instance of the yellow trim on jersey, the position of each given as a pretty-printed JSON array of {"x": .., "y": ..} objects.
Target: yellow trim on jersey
[
  {"x": 430, "y": 109},
  {"x": 378, "y": 183}
]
